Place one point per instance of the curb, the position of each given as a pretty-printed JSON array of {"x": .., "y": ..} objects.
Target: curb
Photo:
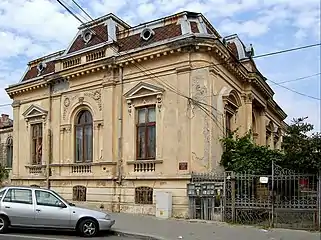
[{"x": 141, "y": 236}]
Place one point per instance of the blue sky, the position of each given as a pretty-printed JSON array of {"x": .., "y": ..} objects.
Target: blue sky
[{"x": 32, "y": 28}]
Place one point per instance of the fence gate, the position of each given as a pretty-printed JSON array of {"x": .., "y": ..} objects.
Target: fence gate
[
  {"x": 205, "y": 196},
  {"x": 284, "y": 199}
]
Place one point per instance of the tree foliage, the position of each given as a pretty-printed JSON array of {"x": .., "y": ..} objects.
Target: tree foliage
[
  {"x": 242, "y": 155},
  {"x": 301, "y": 151},
  {"x": 3, "y": 173}
]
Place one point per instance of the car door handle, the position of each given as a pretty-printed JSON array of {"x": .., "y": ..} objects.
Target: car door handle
[
  {"x": 38, "y": 210},
  {"x": 6, "y": 207}
]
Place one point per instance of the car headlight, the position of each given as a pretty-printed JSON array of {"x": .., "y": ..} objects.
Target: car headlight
[{"x": 107, "y": 217}]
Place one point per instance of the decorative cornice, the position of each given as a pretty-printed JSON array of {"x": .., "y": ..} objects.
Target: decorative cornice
[{"x": 26, "y": 88}]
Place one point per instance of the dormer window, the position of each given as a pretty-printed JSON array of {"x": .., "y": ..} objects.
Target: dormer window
[
  {"x": 147, "y": 34},
  {"x": 40, "y": 67},
  {"x": 87, "y": 35}
]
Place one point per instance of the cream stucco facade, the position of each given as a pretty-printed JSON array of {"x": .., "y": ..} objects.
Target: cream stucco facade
[{"x": 195, "y": 91}]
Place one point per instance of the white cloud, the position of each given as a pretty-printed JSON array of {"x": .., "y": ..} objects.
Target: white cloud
[
  {"x": 251, "y": 28},
  {"x": 43, "y": 20},
  {"x": 102, "y": 7}
]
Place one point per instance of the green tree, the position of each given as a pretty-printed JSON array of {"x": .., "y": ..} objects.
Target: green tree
[
  {"x": 3, "y": 174},
  {"x": 302, "y": 148},
  {"x": 301, "y": 151},
  {"x": 241, "y": 154}
]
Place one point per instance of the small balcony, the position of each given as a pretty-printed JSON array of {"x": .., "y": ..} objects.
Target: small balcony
[
  {"x": 86, "y": 168},
  {"x": 144, "y": 166},
  {"x": 36, "y": 170}
]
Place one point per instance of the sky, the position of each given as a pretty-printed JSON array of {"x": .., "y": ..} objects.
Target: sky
[{"x": 33, "y": 28}]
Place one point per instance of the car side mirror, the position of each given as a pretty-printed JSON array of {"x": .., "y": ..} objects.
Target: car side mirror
[{"x": 61, "y": 205}]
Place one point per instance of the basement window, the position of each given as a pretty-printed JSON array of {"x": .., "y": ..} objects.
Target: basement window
[
  {"x": 79, "y": 193},
  {"x": 144, "y": 195}
]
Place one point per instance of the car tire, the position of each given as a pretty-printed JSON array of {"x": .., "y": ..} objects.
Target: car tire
[
  {"x": 4, "y": 224},
  {"x": 88, "y": 228}
]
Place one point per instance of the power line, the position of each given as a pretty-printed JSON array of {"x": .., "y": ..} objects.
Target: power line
[
  {"x": 286, "y": 50},
  {"x": 82, "y": 10},
  {"x": 177, "y": 92},
  {"x": 273, "y": 83},
  {"x": 5, "y": 105},
  {"x": 296, "y": 79},
  {"x": 302, "y": 94}
]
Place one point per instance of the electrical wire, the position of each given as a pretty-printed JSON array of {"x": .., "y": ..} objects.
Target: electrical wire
[
  {"x": 258, "y": 56},
  {"x": 289, "y": 89},
  {"x": 296, "y": 79}
]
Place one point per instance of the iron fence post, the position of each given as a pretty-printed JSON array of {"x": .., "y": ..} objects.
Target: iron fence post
[
  {"x": 319, "y": 201},
  {"x": 233, "y": 196},
  {"x": 272, "y": 200}
]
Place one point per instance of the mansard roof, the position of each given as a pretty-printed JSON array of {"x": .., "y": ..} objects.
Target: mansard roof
[{"x": 126, "y": 38}]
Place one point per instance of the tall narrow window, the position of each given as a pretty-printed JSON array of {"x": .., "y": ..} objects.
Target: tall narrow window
[
  {"x": 36, "y": 147},
  {"x": 228, "y": 122},
  {"x": 146, "y": 133},
  {"x": 84, "y": 137},
  {"x": 9, "y": 152}
]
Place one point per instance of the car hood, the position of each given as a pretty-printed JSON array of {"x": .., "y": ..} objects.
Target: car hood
[{"x": 89, "y": 212}]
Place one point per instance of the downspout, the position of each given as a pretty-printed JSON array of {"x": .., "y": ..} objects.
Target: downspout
[
  {"x": 49, "y": 139},
  {"x": 120, "y": 135}
]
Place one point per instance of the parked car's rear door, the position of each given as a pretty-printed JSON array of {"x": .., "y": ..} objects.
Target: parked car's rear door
[
  {"x": 17, "y": 204},
  {"x": 50, "y": 211}
]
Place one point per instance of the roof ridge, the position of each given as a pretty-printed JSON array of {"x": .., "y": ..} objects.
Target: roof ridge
[{"x": 46, "y": 57}]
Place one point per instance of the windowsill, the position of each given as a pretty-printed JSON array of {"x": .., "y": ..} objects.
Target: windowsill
[
  {"x": 8, "y": 168},
  {"x": 35, "y": 165},
  {"x": 81, "y": 164},
  {"x": 144, "y": 161}
]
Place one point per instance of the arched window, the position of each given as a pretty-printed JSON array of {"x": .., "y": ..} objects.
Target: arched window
[
  {"x": 9, "y": 152},
  {"x": 232, "y": 105},
  {"x": 84, "y": 137}
]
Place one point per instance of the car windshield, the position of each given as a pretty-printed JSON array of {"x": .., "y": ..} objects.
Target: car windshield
[{"x": 69, "y": 203}]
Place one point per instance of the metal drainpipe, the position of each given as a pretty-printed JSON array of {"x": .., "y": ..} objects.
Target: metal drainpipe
[
  {"x": 120, "y": 127},
  {"x": 49, "y": 139}
]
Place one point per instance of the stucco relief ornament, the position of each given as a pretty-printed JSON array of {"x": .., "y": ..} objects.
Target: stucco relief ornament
[
  {"x": 66, "y": 102},
  {"x": 130, "y": 104},
  {"x": 96, "y": 95},
  {"x": 66, "y": 105},
  {"x": 159, "y": 101}
]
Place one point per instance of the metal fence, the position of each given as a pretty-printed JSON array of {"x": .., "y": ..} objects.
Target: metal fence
[{"x": 283, "y": 199}]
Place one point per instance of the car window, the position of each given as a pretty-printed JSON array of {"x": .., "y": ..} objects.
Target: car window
[
  {"x": 2, "y": 193},
  {"x": 18, "y": 196},
  {"x": 45, "y": 198}
]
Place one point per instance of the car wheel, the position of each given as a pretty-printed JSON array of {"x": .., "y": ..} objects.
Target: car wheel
[
  {"x": 4, "y": 224},
  {"x": 88, "y": 228}
]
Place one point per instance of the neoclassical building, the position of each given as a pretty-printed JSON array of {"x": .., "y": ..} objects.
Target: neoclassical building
[
  {"x": 6, "y": 145},
  {"x": 126, "y": 111}
]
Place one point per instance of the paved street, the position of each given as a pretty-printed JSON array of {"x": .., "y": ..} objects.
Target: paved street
[
  {"x": 52, "y": 235},
  {"x": 171, "y": 229}
]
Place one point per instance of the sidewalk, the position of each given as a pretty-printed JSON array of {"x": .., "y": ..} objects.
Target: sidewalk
[{"x": 188, "y": 230}]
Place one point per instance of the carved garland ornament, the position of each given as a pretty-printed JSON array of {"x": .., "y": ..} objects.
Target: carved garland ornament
[{"x": 95, "y": 95}]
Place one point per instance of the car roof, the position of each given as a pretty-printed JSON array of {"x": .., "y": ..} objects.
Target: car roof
[{"x": 25, "y": 187}]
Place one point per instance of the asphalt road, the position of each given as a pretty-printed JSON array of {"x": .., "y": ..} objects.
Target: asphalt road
[{"x": 52, "y": 235}]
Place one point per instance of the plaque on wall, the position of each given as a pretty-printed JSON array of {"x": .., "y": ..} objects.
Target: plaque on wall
[{"x": 182, "y": 166}]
